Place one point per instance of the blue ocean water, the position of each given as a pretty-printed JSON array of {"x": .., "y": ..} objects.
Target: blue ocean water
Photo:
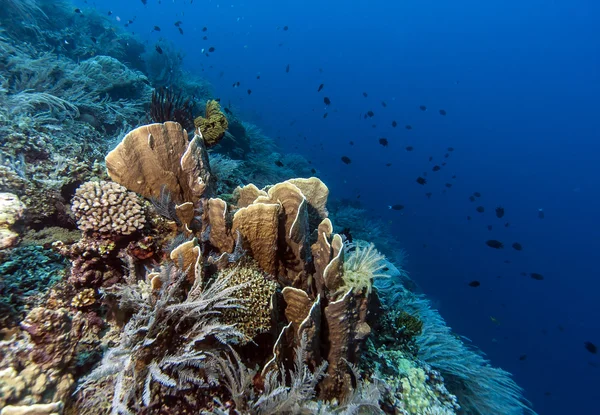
[{"x": 519, "y": 82}]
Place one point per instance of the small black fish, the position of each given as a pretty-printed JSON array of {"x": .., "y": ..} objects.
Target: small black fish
[
  {"x": 370, "y": 114},
  {"x": 320, "y": 87},
  {"x": 347, "y": 234},
  {"x": 474, "y": 284},
  {"x": 383, "y": 142},
  {"x": 408, "y": 127},
  {"x": 443, "y": 164},
  {"x": 396, "y": 207},
  {"x": 536, "y": 276},
  {"x": 365, "y": 94},
  {"x": 278, "y": 163},
  {"x": 313, "y": 171},
  {"x": 499, "y": 211},
  {"x": 394, "y": 124},
  {"x": 144, "y": 2},
  {"x": 249, "y": 91},
  {"x": 77, "y": 11},
  {"x": 428, "y": 194},
  {"x": 446, "y": 155},
  {"x": 476, "y": 194},
  {"x": 204, "y": 29},
  {"x": 257, "y": 76},
  {"x": 523, "y": 357},
  {"x": 448, "y": 185},
  {"x": 227, "y": 110},
  {"x": 388, "y": 164},
  {"x": 430, "y": 158},
  {"x": 285, "y": 28},
  {"x": 346, "y": 160},
  {"x": 492, "y": 243},
  {"x": 409, "y": 148},
  {"x": 156, "y": 28},
  {"x": 93, "y": 39},
  {"x": 180, "y": 30},
  {"x": 507, "y": 224},
  {"x": 178, "y": 22},
  {"x": 489, "y": 227},
  {"x": 454, "y": 176},
  {"x": 468, "y": 218},
  {"x": 421, "y": 180},
  {"x": 205, "y": 38},
  {"x": 327, "y": 101},
  {"x": 450, "y": 149},
  {"x": 442, "y": 112},
  {"x": 517, "y": 246},
  {"x": 158, "y": 49},
  {"x": 480, "y": 209},
  {"x": 541, "y": 214},
  {"x": 422, "y": 107},
  {"x": 351, "y": 143},
  {"x": 436, "y": 168},
  {"x": 383, "y": 104},
  {"x": 109, "y": 13},
  {"x": 287, "y": 68},
  {"x": 325, "y": 115},
  {"x": 590, "y": 347},
  {"x": 211, "y": 49}
]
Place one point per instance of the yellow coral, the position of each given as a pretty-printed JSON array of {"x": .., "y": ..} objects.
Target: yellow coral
[
  {"x": 213, "y": 125},
  {"x": 255, "y": 316}
]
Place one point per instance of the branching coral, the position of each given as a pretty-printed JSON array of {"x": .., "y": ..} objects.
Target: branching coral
[{"x": 107, "y": 207}]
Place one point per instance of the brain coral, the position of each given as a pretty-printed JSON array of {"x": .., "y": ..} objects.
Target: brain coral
[{"x": 107, "y": 207}]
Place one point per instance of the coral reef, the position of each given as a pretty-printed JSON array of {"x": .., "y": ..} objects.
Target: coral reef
[{"x": 214, "y": 295}]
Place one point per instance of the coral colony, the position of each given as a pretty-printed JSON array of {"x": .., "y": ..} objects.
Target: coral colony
[{"x": 142, "y": 273}]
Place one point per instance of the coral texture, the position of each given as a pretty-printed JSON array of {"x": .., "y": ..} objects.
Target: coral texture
[
  {"x": 107, "y": 207},
  {"x": 11, "y": 211},
  {"x": 213, "y": 125}
]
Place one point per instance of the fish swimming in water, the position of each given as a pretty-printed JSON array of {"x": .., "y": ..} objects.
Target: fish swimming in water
[{"x": 492, "y": 243}]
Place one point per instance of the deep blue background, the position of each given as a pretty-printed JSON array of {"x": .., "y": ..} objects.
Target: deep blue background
[{"x": 520, "y": 82}]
